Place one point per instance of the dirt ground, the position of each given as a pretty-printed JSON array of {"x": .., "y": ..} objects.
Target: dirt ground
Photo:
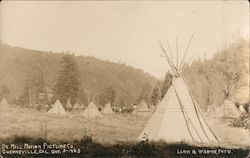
[{"x": 109, "y": 129}]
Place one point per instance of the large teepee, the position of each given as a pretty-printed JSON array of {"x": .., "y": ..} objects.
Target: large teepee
[
  {"x": 107, "y": 109},
  {"x": 4, "y": 105},
  {"x": 92, "y": 111},
  {"x": 57, "y": 109},
  {"x": 178, "y": 117}
]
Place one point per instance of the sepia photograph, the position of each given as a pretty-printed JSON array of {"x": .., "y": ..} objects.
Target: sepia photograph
[{"x": 124, "y": 79}]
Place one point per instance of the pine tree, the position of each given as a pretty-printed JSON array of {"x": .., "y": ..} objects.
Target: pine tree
[
  {"x": 107, "y": 96},
  {"x": 33, "y": 86},
  {"x": 83, "y": 97},
  {"x": 166, "y": 84},
  {"x": 145, "y": 92},
  {"x": 155, "y": 96},
  {"x": 67, "y": 86},
  {"x": 4, "y": 91}
]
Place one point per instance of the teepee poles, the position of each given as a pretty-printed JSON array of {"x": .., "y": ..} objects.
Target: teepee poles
[
  {"x": 186, "y": 51},
  {"x": 177, "y": 65},
  {"x": 170, "y": 52},
  {"x": 171, "y": 64}
]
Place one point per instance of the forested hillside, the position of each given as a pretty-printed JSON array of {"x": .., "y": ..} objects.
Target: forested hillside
[
  {"x": 18, "y": 65},
  {"x": 225, "y": 76}
]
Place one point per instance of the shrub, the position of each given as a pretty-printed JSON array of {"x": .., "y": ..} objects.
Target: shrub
[{"x": 241, "y": 122}]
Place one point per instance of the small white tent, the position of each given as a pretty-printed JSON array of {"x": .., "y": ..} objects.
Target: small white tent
[
  {"x": 178, "y": 117},
  {"x": 242, "y": 110},
  {"x": 229, "y": 109},
  {"x": 83, "y": 106},
  {"x": 152, "y": 108},
  {"x": 77, "y": 106},
  {"x": 92, "y": 111},
  {"x": 141, "y": 108},
  {"x": 4, "y": 105},
  {"x": 68, "y": 105},
  {"x": 57, "y": 109},
  {"x": 107, "y": 109}
]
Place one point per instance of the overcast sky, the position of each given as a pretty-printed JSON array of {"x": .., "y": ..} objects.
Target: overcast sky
[{"x": 124, "y": 31}]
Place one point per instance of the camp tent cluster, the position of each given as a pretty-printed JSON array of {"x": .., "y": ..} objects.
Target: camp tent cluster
[
  {"x": 90, "y": 112},
  {"x": 227, "y": 110},
  {"x": 178, "y": 117}
]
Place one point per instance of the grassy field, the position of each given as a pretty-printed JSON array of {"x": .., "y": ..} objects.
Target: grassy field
[{"x": 110, "y": 130}]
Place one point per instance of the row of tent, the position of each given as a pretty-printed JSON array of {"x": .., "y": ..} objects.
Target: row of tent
[
  {"x": 227, "y": 110},
  {"x": 90, "y": 112}
]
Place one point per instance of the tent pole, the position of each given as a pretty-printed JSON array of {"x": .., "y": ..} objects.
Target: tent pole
[
  {"x": 186, "y": 51},
  {"x": 205, "y": 119},
  {"x": 177, "y": 55}
]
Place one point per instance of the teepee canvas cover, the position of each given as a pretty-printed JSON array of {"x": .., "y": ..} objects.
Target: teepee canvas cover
[
  {"x": 229, "y": 109},
  {"x": 107, "y": 109},
  {"x": 4, "y": 105},
  {"x": 178, "y": 118},
  {"x": 91, "y": 111},
  {"x": 57, "y": 109}
]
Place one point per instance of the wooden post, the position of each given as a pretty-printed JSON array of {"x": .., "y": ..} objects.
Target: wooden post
[{"x": 45, "y": 130}]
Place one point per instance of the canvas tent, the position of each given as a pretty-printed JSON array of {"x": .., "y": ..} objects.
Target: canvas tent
[
  {"x": 141, "y": 108},
  {"x": 68, "y": 105},
  {"x": 92, "y": 111},
  {"x": 242, "y": 110},
  {"x": 107, "y": 109},
  {"x": 77, "y": 106},
  {"x": 178, "y": 117},
  {"x": 4, "y": 105},
  {"x": 57, "y": 109},
  {"x": 229, "y": 109},
  {"x": 152, "y": 108},
  {"x": 83, "y": 106}
]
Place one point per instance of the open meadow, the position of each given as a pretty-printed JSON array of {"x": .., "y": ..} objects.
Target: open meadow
[
  {"x": 110, "y": 129},
  {"x": 113, "y": 135}
]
